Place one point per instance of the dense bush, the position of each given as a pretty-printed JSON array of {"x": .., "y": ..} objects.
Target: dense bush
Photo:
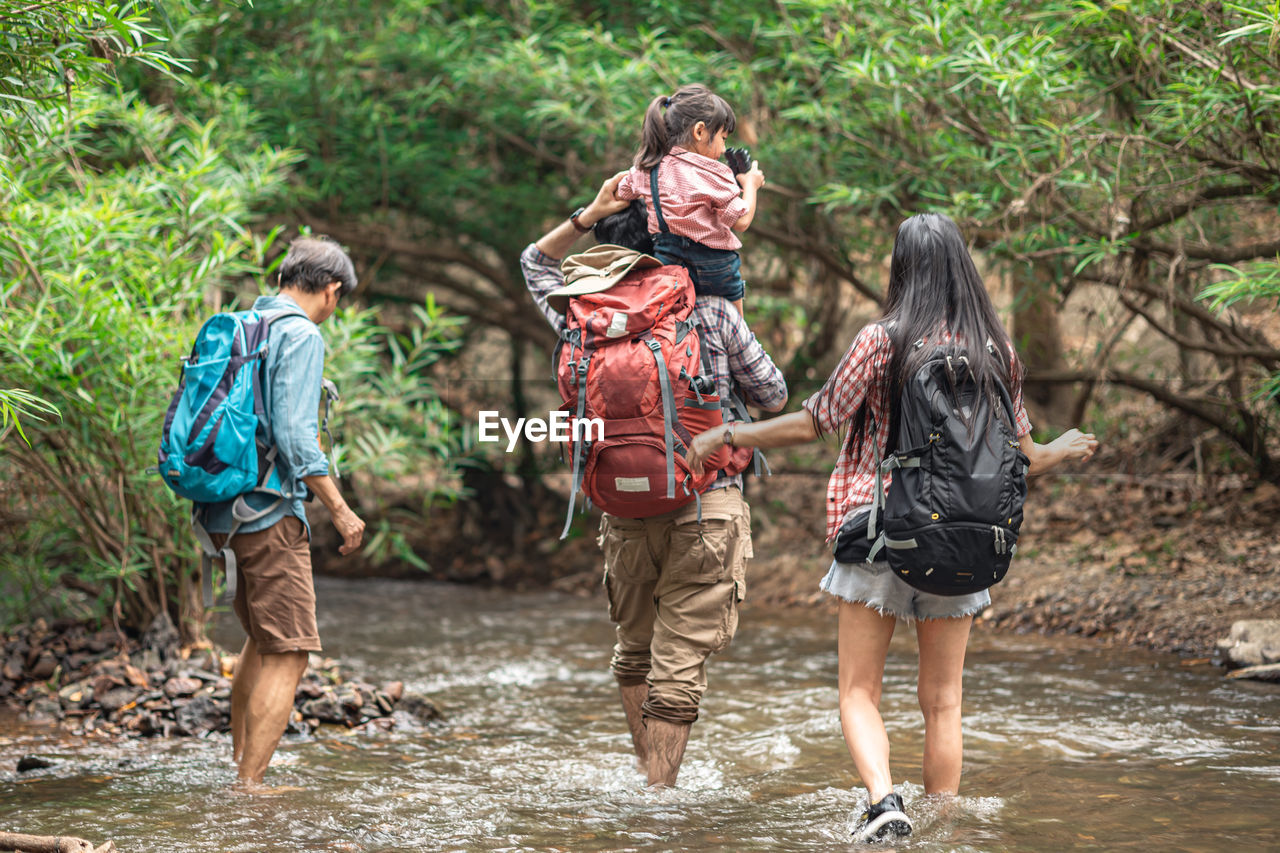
[{"x": 126, "y": 224}]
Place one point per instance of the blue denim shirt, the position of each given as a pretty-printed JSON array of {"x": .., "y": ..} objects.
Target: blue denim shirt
[{"x": 294, "y": 373}]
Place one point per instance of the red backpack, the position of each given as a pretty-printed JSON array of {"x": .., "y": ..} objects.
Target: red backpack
[{"x": 630, "y": 357}]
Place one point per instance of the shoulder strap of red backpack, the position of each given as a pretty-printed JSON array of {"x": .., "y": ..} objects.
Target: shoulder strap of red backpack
[
  {"x": 580, "y": 447},
  {"x": 734, "y": 406}
]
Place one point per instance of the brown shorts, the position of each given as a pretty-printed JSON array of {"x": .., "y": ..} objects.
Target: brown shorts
[
  {"x": 674, "y": 587},
  {"x": 275, "y": 597}
]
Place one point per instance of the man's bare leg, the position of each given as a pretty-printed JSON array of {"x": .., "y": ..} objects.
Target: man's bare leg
[
  {"x": 633, "y": 696},
  {"x": 666, "y": 750},
  {"x": 242, "y": 684},
  {"x": 267, "y": 711}
]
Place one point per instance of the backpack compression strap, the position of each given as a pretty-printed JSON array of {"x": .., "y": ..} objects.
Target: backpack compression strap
[
  {"x": 668, "y": 412},
  {"x": 877, "y": 497},
  {"x": 580, "y": 449},
  {"x": 241, "y": 513}
]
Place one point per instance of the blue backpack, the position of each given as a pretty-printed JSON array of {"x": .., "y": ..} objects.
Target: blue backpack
[{"x": 213, "y": 447}]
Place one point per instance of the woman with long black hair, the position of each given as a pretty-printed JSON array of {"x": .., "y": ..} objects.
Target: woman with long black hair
[{"x": 935, "y": 295}]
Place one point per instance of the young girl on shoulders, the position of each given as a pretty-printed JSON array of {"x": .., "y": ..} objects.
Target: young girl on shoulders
[{"x": 695, "y": 202}]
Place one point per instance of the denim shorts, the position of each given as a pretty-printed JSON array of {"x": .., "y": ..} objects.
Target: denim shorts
[
  {"x": 715, "y": 272},
  {"x": 880, "y": 589}
]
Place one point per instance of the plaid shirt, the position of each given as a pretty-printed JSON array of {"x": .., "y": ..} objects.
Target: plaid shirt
[
  {"x": 737, "y": 358},
  {"x": 860, "y": 375},
  {"x": 700, "y": 198}
]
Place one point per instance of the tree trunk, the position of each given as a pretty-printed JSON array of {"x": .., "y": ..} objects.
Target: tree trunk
[{"x": 1038, "y": 335}]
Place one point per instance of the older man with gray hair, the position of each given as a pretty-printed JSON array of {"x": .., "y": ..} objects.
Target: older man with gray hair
[{"x": 275, "y": 598}]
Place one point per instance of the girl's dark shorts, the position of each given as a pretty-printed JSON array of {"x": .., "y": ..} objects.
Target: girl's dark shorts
[{"x": 715, "y": 272}]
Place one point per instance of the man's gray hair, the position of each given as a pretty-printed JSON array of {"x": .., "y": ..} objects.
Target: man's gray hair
[{"x": 313, "y": 262}]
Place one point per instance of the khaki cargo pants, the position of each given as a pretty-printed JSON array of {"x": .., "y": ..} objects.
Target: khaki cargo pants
[{"x": 674, "y": 587}]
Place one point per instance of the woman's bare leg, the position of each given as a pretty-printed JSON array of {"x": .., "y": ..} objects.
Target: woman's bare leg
[
  {"x": 863, "y": 642},
  {"x": 942, "y": 647}
]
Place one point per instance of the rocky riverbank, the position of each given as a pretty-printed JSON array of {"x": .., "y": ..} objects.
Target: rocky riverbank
[{"x": 105, "y": 684}]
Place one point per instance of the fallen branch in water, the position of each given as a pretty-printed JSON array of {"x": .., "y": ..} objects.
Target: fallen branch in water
[
  {"x": 50, "y": 844},
  {"x": 1263, "y": 672}
]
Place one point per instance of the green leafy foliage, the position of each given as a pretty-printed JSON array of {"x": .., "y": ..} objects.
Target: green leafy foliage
[
  {"x": 110, "y": 259},
  {"x": 395, "y": 436},
  {"x": 15, "y": 402},
  {"x": 52, "y": 48},
  {"x": 1108, "y": 156},
  {"x": 127, "y": 224}
]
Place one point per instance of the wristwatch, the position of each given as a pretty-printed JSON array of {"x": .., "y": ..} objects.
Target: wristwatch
[
  {"x": 729, "y": 434},
  {"x": 573, "y": 218}
]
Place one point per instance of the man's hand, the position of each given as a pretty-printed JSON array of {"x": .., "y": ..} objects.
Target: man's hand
[
  {"x": 350, "y": 527},
  {"x": 755, "y": 177},
  {"x": 606, "y": 202},
  {"x": 348, "y": 524}
]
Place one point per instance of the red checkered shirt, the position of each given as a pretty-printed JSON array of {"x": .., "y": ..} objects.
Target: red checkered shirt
[
  {"x": 700, "y": 198},
  {"x": 860, "y": 375}
]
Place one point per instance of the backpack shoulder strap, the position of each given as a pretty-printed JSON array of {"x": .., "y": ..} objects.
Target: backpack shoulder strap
[
  {"x": 657, "y": 205},
  {"x": 733, "y": 406},
  {"x": 273, "y": 314},
  {"x": 329, "y": 391}
]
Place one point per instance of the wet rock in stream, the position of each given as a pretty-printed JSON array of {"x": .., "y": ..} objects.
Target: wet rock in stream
[
  {"x": 27, "y": 763},
  {"x": 104, "y": 683}
]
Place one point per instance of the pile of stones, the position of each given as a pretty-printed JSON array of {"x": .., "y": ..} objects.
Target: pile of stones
[{"x": 103, "y": 683}]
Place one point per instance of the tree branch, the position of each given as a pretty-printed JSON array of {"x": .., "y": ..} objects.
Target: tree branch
[
  {"x": 1223, "y": 255},
  {"x": 1199, "y": 58},
  {"x": 1215, "y": 412},
  {"x": 1177, "y": 211},
  {"x": 1268, "y": 357},
  {"x": 1191, "y": 308},
  {"x": 380, "y": 238},
  {"x": 824, "y": 256}
]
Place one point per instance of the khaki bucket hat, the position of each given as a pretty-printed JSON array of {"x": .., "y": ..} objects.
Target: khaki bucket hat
[{"x": 597, "y": 269}]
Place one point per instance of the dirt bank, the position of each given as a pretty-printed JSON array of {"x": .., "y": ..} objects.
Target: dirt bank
[{"x": 1159, "y": 561}]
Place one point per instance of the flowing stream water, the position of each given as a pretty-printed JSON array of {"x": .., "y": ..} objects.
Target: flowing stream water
[{"x": 1069, "y": 745}]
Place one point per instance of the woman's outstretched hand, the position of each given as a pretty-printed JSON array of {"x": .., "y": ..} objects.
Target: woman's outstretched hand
[
  {"x": 704, "y": 444},
  {"x": 1074, "y": 444}
]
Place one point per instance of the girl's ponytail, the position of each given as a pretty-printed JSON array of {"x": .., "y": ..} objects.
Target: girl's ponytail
[
  {"x": 670, "y": 121},
  {"x": 654, "y": 140}
]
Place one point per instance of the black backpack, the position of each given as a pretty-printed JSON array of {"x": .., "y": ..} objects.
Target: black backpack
[{"x": 951, "y": 519}]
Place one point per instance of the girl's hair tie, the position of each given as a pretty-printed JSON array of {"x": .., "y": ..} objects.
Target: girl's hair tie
[{"x": 666, "y": 102}]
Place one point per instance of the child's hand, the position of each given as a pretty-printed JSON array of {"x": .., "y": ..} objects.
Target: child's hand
[
  {"x": 753, "y": 179},
  {"x": 1074, "y": 444}
]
